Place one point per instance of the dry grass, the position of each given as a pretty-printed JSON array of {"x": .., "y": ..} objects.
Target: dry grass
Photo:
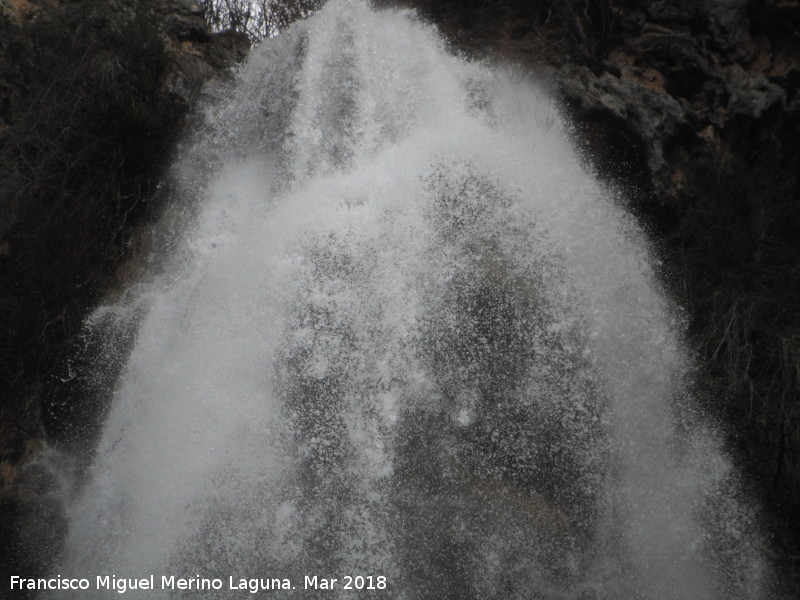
[{"x": 737, "y": 263}]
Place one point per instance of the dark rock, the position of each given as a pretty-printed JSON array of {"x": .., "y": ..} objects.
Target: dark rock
[
  {"x": 693, "y": 103},
  {"x": 34, "y": 519},
  {"x": 651, "y": 116},
  {"x": 136, "y": 69},
  {"x": 671, "y": 10},
  {"x": 184, "y": 20},
  {"x": 228, "y": 47},
  {"x": 693, "y": 107},
  {"x": 752, "y": 96},
  {"x": 728, "y": 28}
]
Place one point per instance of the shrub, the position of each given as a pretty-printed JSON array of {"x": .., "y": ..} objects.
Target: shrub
[
  {"x": 90, "y": 131},
  {"x": 739, "y": 261},
  {"x": 257, "y": 18}
]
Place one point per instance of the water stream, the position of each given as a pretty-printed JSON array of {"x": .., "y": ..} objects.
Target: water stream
[{"x": 398, "y": 330}]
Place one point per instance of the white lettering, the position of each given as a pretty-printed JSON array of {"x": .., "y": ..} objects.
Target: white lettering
[{"x": 319, "y": 583}]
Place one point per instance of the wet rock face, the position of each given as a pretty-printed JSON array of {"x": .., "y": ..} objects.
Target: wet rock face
[
  {"x": 696, "y": 105},
  {"x": 660, "y": 91},
  {"x": 183, "y": 20},
  {"x": 656, "y": 73},
  {"x": 196, "y": 53},
  {"x": 164, "y": 52},
  {"x": 678, "y": 75},
  {"x": 691, "y": 107},
  {"x": 671, "y": 10},
  {"x": 132, "y": 72},
  {"x": 34, "y": 521}
]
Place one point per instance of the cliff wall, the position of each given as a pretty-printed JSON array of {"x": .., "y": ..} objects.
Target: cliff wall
[
  {"x": 692, "y": 109},
  {"x": 93, "y": 94}
]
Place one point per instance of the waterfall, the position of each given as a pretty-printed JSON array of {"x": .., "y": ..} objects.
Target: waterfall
[{"x": 395, "y": 329}]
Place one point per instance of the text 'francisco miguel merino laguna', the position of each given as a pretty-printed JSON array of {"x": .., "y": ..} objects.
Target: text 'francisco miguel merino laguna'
[{"x": 170, "y": 582}]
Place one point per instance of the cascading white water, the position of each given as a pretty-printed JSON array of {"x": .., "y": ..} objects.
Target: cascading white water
[{"x": 404, "y": 333}]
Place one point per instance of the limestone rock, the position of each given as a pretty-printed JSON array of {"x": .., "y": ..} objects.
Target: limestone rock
[{"x": 136, "y": 69}]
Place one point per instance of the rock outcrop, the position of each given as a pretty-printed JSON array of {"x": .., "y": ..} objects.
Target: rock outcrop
[
  {"x": 696, "y": 104},
  {"x": 664, "y": 71},
  {"x": 692, "y": 108},
  {"x": 93, "y": 93}
]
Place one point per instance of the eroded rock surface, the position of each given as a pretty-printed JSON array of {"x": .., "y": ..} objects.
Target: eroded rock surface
[
  {"x": 93, "y": 94},
  {"x": 691, "y": 107}
]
